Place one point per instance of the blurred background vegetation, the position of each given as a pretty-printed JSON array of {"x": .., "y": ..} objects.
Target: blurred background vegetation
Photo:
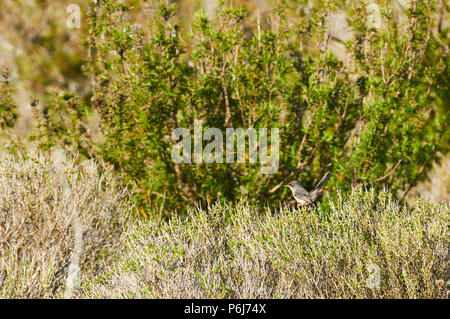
[{"x": 358, "y": 87}]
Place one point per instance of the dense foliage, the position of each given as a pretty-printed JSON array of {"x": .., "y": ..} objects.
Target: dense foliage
[
  {"x": 366, "y": 246},
  {"x": 377, "y": 117},
  {"x": 372, "y": 106}
]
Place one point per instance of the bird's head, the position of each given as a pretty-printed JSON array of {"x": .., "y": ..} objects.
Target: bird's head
[{"x": 292, "y": 184}]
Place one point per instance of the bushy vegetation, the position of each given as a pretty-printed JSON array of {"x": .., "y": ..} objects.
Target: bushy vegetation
[
  {"x": 378, "y": 116},
  {"x": 241, "y": 252},
  {"x": 61, "y": 220},
  {"x": 51, "y": 218},
  {"x": 375, "y": 113}
]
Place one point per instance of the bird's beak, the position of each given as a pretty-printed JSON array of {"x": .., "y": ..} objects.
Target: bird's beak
[{"x": 287, "y": 185}]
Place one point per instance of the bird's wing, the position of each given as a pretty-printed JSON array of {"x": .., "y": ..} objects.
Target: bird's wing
[{"x": 302, "y": 194}]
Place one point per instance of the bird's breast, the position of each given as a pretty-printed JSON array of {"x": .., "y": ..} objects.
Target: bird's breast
[{"x": 302, "y": 201}]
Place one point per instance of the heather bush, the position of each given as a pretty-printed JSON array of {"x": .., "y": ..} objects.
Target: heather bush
[
  {"x": 66, "y": 231},
  {"x": 366, "y": 246}
]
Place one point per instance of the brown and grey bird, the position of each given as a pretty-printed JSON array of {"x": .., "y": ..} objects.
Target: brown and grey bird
[{"x": 302, "y": 196}]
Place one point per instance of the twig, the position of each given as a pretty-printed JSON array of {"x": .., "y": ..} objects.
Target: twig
[{"x": 392, "y": 171}]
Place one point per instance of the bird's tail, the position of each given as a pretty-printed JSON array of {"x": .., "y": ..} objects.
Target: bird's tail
[{"x": 319, "y": 185}]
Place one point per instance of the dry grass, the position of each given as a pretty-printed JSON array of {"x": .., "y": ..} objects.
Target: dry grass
[
  {"x": 221, "y": 252},
  {"x": 42, "y": 210}
]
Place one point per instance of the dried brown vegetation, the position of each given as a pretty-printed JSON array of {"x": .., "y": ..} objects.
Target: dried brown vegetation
[{"x": 41, "y": 208}]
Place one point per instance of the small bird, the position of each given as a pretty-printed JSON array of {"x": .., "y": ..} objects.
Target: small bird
[{"x": 302, "y": 196}]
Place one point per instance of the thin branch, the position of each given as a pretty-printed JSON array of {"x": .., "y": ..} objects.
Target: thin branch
[{"x": 392, "y": 171}]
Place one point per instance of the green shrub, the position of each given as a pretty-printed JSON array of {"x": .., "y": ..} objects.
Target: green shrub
[
  {"x": 378, "y": 117},
  {"x": 63, "y": 122},
  {"x": 242, "y": 252}
]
